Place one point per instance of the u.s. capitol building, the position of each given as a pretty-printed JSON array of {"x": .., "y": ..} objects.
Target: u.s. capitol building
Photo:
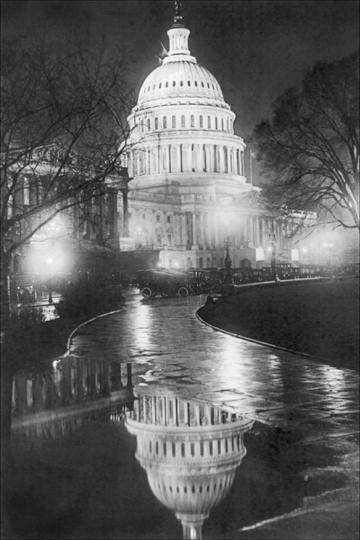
[{"x": 189, "y": 195}]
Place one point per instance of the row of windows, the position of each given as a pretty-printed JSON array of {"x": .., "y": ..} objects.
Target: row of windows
[
  {"x": 201, "y": 122},
  {"x": 214, "y": 447},
  {"x": 166, "y": 84},
  {"x": 193, "y": 489}
]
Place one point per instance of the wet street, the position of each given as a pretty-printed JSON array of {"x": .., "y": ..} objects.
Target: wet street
[{"x": 153, "y": 423}]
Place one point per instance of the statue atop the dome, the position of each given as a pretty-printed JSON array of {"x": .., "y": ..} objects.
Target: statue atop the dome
[{"x": 178, "y": 10}]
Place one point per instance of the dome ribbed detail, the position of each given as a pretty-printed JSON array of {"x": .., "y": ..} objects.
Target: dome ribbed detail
[{"x": 180, "y": 79}]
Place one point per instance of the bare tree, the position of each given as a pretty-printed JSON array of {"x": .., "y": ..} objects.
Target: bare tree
[
  {"x": 63, "y": 128},
  {"x": 310, "y": 149}
]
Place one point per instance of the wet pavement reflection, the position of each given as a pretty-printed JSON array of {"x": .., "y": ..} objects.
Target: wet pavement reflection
[{"x": 153, "y": 425}]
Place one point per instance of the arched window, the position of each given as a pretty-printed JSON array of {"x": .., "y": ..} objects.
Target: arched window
[
  {"x": 170, "y": 163},
  {"x": 215, "y": 158},
  {"x": 222, "y": 124},
  {"x": 26, "y": 192},
  {"x": 166, "y": 84},
  {"x": 182, "y": 120},
  {"x": 156, "y": 123},
  {"x": 192, "y": 121},
  {"x": 195, "y": 83},
  {"x": 209, "y": 122},
  {"x": 173, "y": 121},
  {"x": 164, "y": 122},
  {"x": 201, "y": 121},
  {"x": 228, "y": 124},
  {"x": 174, "y": 83},
  {"x": 216, "y": 122},
  {"x": 189, "y": 83},
  {"x": 148, "y": 123}
]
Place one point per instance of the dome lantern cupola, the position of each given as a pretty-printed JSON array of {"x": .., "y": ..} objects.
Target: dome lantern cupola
[{"x": 178, "y": 34}]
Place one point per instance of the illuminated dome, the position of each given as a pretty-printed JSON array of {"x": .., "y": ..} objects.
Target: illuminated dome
[
  {"x": 180, "y": 77},
  {"x": 190, "y": 452}
]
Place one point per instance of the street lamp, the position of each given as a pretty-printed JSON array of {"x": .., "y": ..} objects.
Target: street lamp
[
  {"x": 228, "y": 262},
  {"x": 273, "y": 256}
]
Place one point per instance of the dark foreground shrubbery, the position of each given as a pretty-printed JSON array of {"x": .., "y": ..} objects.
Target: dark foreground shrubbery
[
  {"x": 87, "y": 299},
  {"x": 23, "y": 333}
]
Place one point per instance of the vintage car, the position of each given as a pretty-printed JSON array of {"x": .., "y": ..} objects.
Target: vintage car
[{"x": 171, "y": 283}]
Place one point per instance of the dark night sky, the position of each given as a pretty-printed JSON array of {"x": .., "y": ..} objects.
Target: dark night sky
[{"x": 255, "y": 49}]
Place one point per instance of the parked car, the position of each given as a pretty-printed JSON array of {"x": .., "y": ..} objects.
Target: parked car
[{"x": 172, "y": 283}]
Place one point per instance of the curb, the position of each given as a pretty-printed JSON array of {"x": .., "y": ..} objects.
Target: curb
[
  {"x": 87, "y": 322},
  {"x": 256, "y": 341}
]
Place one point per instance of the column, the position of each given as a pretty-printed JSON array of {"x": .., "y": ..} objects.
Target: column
[
  {"x": 195, "y": 234},
  {"x": 210, "y": 150},
  {"x": 179, "y": 158},
  {"x": 182, "y": 225},
  {"x": 188, "y": 158}
]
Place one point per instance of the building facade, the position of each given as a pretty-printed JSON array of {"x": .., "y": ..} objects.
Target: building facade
[{"x": 189, "y": 196}]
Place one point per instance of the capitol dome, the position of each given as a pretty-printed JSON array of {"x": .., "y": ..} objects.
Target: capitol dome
[
  {"x": 183, "y": 78},
  {"x": 190, "y": 452},
  {"x": 180, "y": 77}
]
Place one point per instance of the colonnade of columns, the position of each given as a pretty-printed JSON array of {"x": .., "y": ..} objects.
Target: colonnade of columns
[
  {"x": 202, "y": 228},
  {"x": 178, "y": 157},
  {"x": 172, "y": 411}
]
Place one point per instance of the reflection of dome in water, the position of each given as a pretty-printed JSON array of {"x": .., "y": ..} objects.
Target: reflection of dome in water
[{"x": 190, "y": 452}]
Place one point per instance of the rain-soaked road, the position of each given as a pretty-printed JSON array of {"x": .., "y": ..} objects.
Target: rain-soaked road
[
  {"x": 170, "y": 346},
  {"x": 298, "y": 480}
]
